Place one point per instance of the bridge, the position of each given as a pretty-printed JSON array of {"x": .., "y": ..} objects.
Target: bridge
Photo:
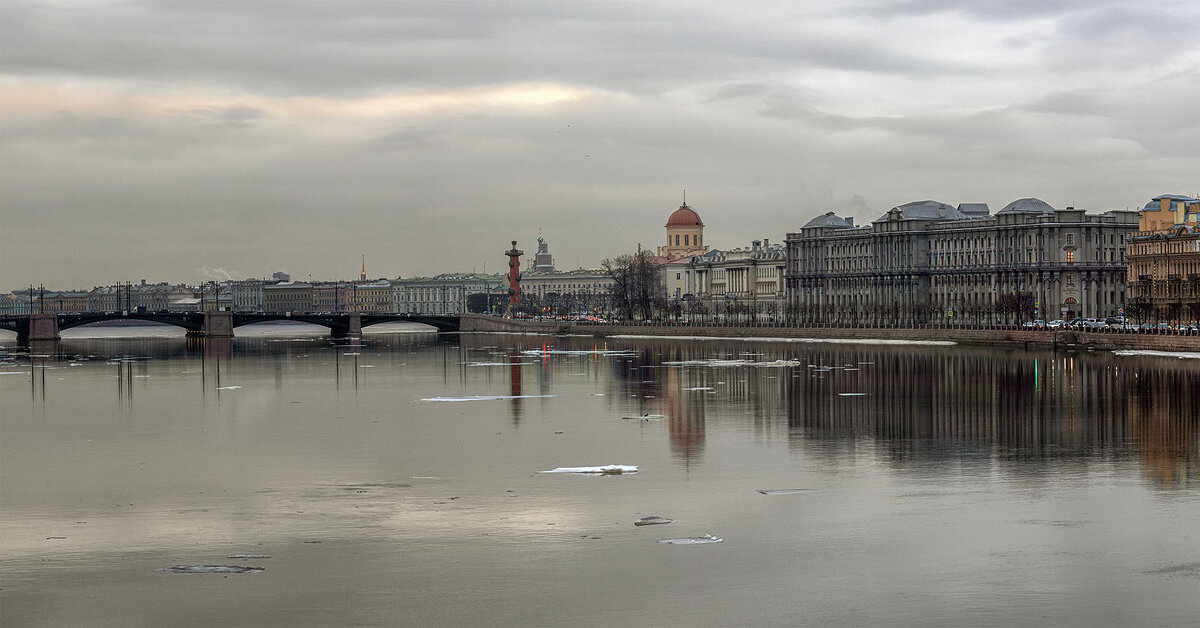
[{"x": 216, "y": 324}]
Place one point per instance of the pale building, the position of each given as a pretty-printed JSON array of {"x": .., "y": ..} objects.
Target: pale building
[
  {"x": 443, "y": 294},
  {"x": 1169, "y": 210},
  {"x": 747, "y": 281},
  {"x": 372, "y": 297},
  {"x": 578, "y": 291}
]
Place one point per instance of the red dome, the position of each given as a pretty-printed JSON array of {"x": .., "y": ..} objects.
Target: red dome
[{"x": 684, "y": 217}]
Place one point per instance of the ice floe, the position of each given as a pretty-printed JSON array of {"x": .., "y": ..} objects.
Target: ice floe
[
  {"x": 497, "y": 363},
  {"x": 248, "y": 556},
  {"x": 212, "y": 569},
  {"x": 1183, "y": 355},
  {"x": 699, "y": 388},
  {"x": 693, "y": 540},
  {"x": 611, "y": 469},
  {"x": 844, "y": 341},
  {"x": 487, "y": 397},
  {"x": 652, "y": 521},
  {"x": 786, "y": 491},
  {"x": 545, "y": 352},
  {"x": 646, "y": 417},
  {"x": 229, "y": 388},
  {"x": 852, "y": 394}
]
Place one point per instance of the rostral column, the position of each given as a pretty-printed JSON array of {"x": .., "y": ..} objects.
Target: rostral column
[{"x": 514, "y": 277}]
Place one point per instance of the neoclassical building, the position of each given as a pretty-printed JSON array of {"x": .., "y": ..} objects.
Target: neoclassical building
[
  {"x": 749, "y": 279},
  {"x": 930, "y": 262}
]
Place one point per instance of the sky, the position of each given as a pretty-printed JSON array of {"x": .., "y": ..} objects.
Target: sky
[{"x": 181, "y": 141}]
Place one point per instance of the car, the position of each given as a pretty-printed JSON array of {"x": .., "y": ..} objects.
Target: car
[{"x": 1056, "y": 323}]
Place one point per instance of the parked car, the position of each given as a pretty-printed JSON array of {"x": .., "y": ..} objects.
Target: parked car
[{"x": 1056, "y": 323}]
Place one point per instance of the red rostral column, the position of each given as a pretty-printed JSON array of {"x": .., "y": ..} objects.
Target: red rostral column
[{"x": 514, "y": 277}]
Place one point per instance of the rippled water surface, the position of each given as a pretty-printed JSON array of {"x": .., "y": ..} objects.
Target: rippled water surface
[{"x": 284, "y": 479}]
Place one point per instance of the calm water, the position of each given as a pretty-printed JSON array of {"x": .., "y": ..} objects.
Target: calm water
[{"x": 948, "y": 486}]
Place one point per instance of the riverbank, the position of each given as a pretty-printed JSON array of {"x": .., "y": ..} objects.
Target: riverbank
[{"x": 1011, "y": 338}]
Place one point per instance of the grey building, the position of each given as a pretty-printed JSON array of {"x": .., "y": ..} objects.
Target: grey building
[{"x": 930, "y": 262}]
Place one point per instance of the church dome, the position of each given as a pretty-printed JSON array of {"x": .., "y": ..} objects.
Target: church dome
[{"x": 684, "y": 217}]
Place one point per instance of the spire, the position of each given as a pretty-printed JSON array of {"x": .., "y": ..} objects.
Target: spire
[{"x": 363, "y": 275}]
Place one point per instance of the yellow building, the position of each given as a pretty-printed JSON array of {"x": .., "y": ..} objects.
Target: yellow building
[{"x": 1168, "y": 210}]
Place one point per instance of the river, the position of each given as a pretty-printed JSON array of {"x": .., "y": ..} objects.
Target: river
[{"x": 396, "y": 480}]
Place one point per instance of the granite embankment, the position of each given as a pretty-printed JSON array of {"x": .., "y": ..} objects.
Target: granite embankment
[{"x": 1030, "y": 339}]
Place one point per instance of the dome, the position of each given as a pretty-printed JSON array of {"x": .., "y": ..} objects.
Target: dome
[
  {"x": 828, "y": 219},
  {"x": 684, "y": 217},
  {"x": 1027, "y": 206}
]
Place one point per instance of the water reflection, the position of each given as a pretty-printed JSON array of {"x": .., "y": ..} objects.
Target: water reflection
[{"x": 909, "y": 404}]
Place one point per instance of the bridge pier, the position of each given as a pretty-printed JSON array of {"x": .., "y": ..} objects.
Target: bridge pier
[
  {"x": 40, "y": 327},
  {"x": 218, "y": 324},
  {"x": 353, "y": 327}
]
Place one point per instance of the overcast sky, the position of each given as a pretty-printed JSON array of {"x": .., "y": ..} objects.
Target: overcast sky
[{"x": 183, "y": 140}]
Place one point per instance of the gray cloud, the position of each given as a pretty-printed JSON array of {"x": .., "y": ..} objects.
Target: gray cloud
[{"x": 169, "y": 137}]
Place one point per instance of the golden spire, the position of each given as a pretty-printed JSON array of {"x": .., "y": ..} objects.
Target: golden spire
[{"x": 363, "y": 275}]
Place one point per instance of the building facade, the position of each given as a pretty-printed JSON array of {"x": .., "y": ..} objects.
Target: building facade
[
  {"x": 582, "y": 291},
  {"x": 443, "y": 294},
  {"x": 743, "y": 282},
  {"x": 929, "y": 262},
  {"x": 288, "y": 297},
  {"x": 1164, "y": 261},
  {"x": 685, "y": 234}
]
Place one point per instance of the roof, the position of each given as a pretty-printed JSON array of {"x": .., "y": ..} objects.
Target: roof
[
  {"x": 1027, "y": 206},
  {"x": 684, "y": 217},
  {"x": 1174, "y": 197},
  {"x": 925, "y": 210},
  {"x": 828, "y": 219}
]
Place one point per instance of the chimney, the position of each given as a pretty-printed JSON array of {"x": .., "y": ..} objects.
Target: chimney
[{"x": 766, "y": 243}]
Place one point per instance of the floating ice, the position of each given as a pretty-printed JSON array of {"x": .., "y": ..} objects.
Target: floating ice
[
  {"x": 497, "y": 363},
  {"x": 546, "y": 352},
  {"x": 612, "y": 469},
  {"x": 786, "y": 491},
  {"x": 246, "y": 556},
  {"x": 693, "y": 540},
  {"x": 844, "y": 341},
  {"x": 652, "y": 521},
  {"x": 851, "y": 394},
  {"x": 647, "y": 417},
  {"x": 212, "y": 569},
  {"x": 487, "y": 397},
  {"x": 700, "y": 388},
  {"x": 229, "y": 388},
  {"x": 1163, "y": 354}
]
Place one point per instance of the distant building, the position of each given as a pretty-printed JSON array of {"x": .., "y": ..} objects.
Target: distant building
[
  {"x": 16, "y": 305},
  {"x": 375, "y": 297},
  {"x": 288, "y": 297},
  {"x": 577, "y": 291},
  {"x": 333, "y": 296},
  {"x": 927, "y": 262},
  {"x": 284, "y": 277},
  {"x": 443, "y": 294},
  {"x": 246, "y": 295}
]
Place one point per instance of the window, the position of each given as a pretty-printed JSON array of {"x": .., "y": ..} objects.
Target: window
[
  {"x": 1070, "y": 256},
  {"x": 685, "y": 240},
  {"x": 676, "y": 240}
]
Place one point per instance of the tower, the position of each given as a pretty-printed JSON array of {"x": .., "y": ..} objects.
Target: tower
[
  {"x": 514, "y": 277},
  {"x": 543, "y": 261},
  {"x": 685, "y": 233},
  {"x": 363, "y": 275}
]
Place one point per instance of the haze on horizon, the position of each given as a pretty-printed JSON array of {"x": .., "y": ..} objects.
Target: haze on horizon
[{"x": 182, "y": 141}]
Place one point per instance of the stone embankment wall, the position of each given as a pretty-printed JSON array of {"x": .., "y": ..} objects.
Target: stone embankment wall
[{"x": 1046, "y": 339}]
